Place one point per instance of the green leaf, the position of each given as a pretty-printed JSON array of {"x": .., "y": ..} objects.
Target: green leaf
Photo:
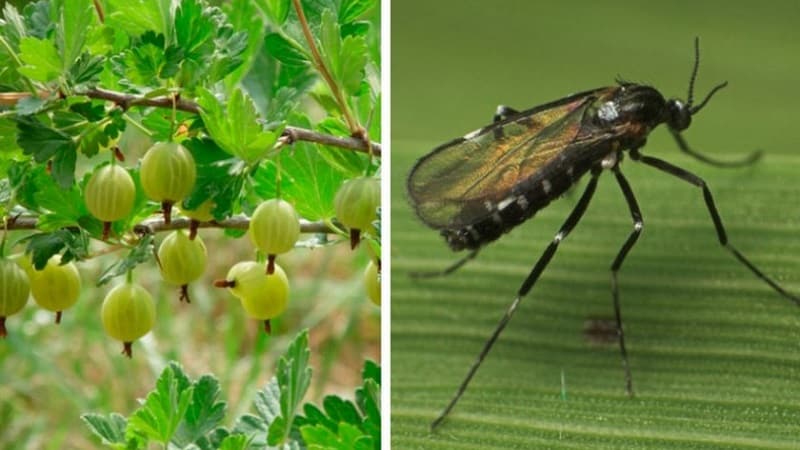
[
  {"x": 110, "y": 429},
  {"x": 219, "y": 178},
  {"x": 350, "y": 10},
  {"x": 136, "y": 17},
  {"x": 278, "y": 10},
  {"x": 42, "y": 61},
  {"x": 236, "y": 128},
  {"x": 286, "y": 50},
  {"x": 204, "y": 413},
  {"x": 352, "y": 60},
  {"x": 64, "y": 167},
  {"x": 86, "y": 69},
  {"x": 294, "y": 377},
  {"x": 142, "y": 252},
  {"x": 235, "y": 442},
  {"x": 163, "y": 408},
  {"x": 37, "y": 139},
  {"x": 37, "y": 19},
  {"x": 268, "y": 401},
  {"x": 43, "y": 246},
  {"x": 72, "y": 28},
  {"x": 38, "y": 191}
]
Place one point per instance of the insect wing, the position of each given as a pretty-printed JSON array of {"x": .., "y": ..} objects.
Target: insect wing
[{"x": 451, "y": 186}]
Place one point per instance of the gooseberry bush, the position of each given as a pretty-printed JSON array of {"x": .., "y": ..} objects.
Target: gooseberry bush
[{"x": 127, "y": 125}]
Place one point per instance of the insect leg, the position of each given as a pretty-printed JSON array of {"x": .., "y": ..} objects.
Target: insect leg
[
  {"x": 638, "y": 224},
  {"x": 537, "y": 270},
  {"x": 712, "y": 209},
  {"x": 684, "y": 146},
  {"x": 447, "y": 270}
]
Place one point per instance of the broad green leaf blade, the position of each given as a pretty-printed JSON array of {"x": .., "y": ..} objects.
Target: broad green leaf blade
[
  {"x": 72, "y": 28},
  {"x": 294, "y": 377},
  {"x": 164, "y": 407},
  {"x": 42, "y": 61},
  {"x": 41, "y": 141},
  {"x": 712, "y": 348},
  {"x": 350, "y": 10},
  {"x": 110, "y": 429},
  {"x": 286, "y": 50},
  {"x": 204, "y": 413},
  {"x": 236, "y": 128},
  {"x": 135, "y": 17},
  {"x": 142, "y": 252}
]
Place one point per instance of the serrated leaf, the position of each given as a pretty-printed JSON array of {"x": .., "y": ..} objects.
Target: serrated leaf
[
  {"x": 219, "y": 178},
  {"x": 73, "y": 25},
  {"x": 236, "y": 128},
  {"x": 278, "y": 10},
  {"x": 136, "y": 17},
  {"x": 27, "y": 106},
  {"x": 86, "y": 69},
  {"x": 352, "y": 59},
  {"x": 234, "y": 442},
  {"x": 64, "y": 167},
  {"x": 43, "y": 246},
  {"x": 341, "y": 410},
  {"x": 267, "y": 401},
  {"x": 350, "y": 10},
  {"x": 294, "y": 377},
  {"x": 286, "y": 50},
  {"x": 110, "y": 429},
  {"x": 139, "y": 254},
  {"x": 309, "y": 182},
  {"x": 42, "y": 61},
  {"x": 37, "y": 18},
  {"x": 41, "y": 141},
  {"x": 163, "y": 408},
  {"x": 204, "y": 412}
]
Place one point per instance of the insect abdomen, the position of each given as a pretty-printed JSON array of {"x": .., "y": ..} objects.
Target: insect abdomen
[{"x": 527, "y": 197}]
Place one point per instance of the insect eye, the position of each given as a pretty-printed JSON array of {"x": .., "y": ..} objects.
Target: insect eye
[{"x": 679, "y": 115}]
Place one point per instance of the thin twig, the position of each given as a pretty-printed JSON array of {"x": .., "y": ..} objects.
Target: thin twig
[
  {"x": 156, "y": 225},
  {"x": 355, "y": 128},
  {"x": 290, "y": 134}
]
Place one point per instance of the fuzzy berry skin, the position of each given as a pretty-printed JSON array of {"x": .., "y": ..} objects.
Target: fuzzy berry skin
[
  {"x": 56, "y": 287},
  {"x": 274, "y": 229},
  {"x": 14, "y": 290},
  {"x": 356, "y": 203},
  {"x": 168, "y": 174},
  {"x": 372, "y": 283},
  {"x": 110, "y": 193},
  {"x": 182, "y": 260},
  {"x": 128, "y": 313},
  {"x": 263, "y": 296}
]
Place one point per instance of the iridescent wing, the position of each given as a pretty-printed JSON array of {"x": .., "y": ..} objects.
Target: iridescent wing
[{"x": 450, "y": 186}]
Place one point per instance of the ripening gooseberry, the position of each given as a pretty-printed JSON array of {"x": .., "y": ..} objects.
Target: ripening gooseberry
[
  {"x": 356, "y": 203},
  {"x": 14, "y": 290},
  {"x": 168, "y": 174},
  {"x": 263, "y": 296},
  {"x": 274, "y": 229},
  {"x": 182, "y": 260},
  {"x": 109, "y": 195},
  {"x": 56, "y": 287},
  {"x": 128, "y": 313},
  {"x": 372, "y": 282}
]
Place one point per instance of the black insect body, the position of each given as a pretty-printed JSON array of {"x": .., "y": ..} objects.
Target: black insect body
[{"x": 475, "y": 188}]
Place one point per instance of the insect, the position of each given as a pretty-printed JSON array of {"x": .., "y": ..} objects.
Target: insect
[{"x": 478, "y": 187}]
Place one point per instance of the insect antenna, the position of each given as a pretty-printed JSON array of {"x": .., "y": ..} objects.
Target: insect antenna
[
  {"x": 695, "y": 109},
  {"x": 690, "y": 96}
]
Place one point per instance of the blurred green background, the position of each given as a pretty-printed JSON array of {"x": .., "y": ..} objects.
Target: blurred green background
[{"x": 714, "y": 351}]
